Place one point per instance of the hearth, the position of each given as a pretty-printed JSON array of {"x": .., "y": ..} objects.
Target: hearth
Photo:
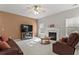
[{"x": 53, "y": 35}]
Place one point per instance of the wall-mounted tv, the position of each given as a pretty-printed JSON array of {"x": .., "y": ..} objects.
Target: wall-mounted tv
[{"x": 26, "y": 28}]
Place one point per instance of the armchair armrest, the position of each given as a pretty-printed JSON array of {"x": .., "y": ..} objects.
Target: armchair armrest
[{"x": 10, "y": 51}]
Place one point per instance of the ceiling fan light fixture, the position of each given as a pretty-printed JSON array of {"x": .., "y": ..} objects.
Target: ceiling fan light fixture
[
  {"x": 36, "y": 9},
  {"x": 36, "y": 13}
]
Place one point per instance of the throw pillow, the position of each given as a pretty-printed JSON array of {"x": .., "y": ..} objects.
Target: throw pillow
[
  {"x": 4, "y": 45},
  {"x": 4, "y": 36}
]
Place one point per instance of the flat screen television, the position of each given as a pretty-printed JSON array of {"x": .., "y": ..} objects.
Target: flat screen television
[{"x": 26, "y": 28}]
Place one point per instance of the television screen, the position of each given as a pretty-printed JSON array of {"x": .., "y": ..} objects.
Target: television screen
[
  {"x": 30, "y": 28},
  {"x": 26, "y": 28}
]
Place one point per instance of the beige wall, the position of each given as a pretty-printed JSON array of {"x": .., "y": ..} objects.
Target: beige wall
[{"x": 11, "y": 24}]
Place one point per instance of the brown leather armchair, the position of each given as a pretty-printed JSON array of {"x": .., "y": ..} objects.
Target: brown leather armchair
[{"x": 67, "y": 45}]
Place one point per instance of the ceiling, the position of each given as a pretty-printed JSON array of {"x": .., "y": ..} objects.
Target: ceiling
[{"x": 22, "y": 9}]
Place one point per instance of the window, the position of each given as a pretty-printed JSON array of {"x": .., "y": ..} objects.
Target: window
[
  {"x": 73, "y": 22},
  {"x": 72, "y": 25}
]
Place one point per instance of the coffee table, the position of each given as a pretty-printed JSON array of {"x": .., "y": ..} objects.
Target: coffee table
[{"x": 45, "y": 40}]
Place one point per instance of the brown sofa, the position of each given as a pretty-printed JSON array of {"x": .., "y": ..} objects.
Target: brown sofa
[
  {"x": 67, "y": 45},
  {"x": 14, "y": 50}
]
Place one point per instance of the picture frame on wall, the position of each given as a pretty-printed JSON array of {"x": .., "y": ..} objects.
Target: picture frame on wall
[{"x": 51, "y": 25}]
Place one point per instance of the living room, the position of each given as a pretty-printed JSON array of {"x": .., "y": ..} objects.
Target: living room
[{"x": 42, "y": 25}]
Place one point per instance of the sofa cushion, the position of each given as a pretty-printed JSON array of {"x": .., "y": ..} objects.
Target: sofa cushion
[
  {"x": 11, "y": 51},
  {"x": 14, "y": 45},
  {"x": 4, "y": 45},
  {"x": 4, "y": 37}
]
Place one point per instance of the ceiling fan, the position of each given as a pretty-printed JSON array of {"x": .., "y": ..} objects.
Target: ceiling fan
[{"x": 36, "y": 9}]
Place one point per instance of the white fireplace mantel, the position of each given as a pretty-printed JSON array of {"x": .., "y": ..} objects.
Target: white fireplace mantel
[{"x": 53, "y": 30}]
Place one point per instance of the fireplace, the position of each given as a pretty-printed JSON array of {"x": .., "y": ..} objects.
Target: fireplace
[{"x": 53, "y": 35}]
